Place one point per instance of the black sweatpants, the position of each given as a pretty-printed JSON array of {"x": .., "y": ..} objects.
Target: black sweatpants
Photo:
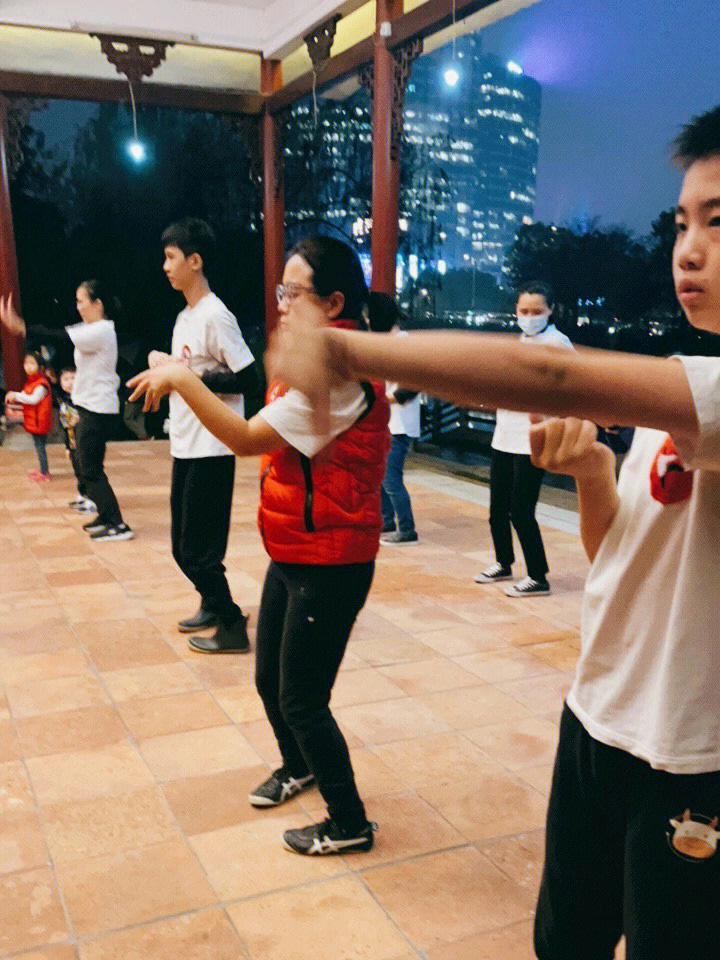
[
  {"x": 514, "y": 491},
  {"x": 200, "y": 504},
  {"x": 306, "y": 614},
  {"x": 91, "y": 437},
  {"x": 610, "y": 866},
  {"x": 76, "y": 470}
]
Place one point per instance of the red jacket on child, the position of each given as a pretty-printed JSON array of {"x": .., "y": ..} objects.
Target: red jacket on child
[{"x": 37, "y": 418}]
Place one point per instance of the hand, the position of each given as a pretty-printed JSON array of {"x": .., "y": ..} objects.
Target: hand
[
  {"x": 569, "y": 446},
  {"x": 156, "y": 358},
  {"x": 11, "y": 397},
  {"x": 302, "y": 354},
  {"x": 156, "y": 384},
  {"x": 10, "y": 317}
]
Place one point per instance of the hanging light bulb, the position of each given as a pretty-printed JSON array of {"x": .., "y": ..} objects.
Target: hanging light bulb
[
  {"x": 136, "y": 148},
  {"x": 451, "y": 73}
]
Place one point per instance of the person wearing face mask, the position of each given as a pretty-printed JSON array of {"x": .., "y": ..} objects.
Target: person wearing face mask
[{"x": 514, "y": 480}]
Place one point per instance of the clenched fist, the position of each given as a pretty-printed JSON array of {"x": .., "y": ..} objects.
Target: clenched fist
[{"x": 569, "y": 445}]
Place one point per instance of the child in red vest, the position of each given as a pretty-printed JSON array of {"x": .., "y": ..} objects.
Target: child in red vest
[{"x": 36, "y": 401}]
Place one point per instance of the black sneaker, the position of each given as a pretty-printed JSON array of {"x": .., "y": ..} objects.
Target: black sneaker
[
  {"x": 92, "y": 526},
  {"x": 278, "y": 788},
  {"x": 396, "y": 537},
  {"x": 494, "y": 573},
  {"x": 527, "y": 587},
  {"x": 325, "y": 838},
  {"x": 198, "y": 621},
  {"x": 121, "y": 531},
  {"x": 233, "y": 639}
]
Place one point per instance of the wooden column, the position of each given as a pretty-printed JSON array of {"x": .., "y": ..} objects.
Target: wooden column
[
  {"x": 273, "y": 193},
  {"x": 13, "y": 347},
  {"x": 386, "y": 154}
]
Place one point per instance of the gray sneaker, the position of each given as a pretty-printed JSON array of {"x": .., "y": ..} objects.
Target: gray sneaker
[{"x": 396, "y": 538}]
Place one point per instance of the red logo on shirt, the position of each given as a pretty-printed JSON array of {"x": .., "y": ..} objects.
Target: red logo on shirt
[{"x": 670, "y": 482}]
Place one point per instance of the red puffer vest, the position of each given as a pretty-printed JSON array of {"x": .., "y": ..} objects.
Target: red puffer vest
[
  {"x": 326, "y": 510},
  {"x": 38, "y": 419}
]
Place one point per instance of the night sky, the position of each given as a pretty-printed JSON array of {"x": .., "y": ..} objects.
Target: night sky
[{"x": 619, "y": 78}]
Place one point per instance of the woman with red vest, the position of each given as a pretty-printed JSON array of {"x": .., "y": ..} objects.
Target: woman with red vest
[
  {"x": 320, "y": 520},
  {"x": 36, "y": 400}
]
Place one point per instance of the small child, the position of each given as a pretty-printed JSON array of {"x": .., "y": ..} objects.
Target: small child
[
  {"x": 69, "y": 419},
  {"x": 36, "y": 401}
]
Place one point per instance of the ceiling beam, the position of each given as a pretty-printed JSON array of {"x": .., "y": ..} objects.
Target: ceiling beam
[
  {"x": 419, "y": 23},
  {"x": 116, "y": 91}
]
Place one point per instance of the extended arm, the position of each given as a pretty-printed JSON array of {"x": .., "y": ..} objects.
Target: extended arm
[
  {"x": 244, "y": 437},
  {"x": 473, "y": 369}
]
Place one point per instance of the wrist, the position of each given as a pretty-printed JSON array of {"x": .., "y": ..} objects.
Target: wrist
[{"x": 597, "y": 468}]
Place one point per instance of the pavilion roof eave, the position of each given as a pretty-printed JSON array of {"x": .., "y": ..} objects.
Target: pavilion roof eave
[{"x": 431, "y": 18}]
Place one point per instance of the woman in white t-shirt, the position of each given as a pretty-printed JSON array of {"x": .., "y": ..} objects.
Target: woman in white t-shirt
[
  {"x": 514, "y": 480},
  {"x": 95, "y": 396}
]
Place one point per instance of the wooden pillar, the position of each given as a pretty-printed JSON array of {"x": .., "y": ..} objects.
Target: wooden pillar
[
  {"x": 386, "y": 154},
  {"x": 13, "y": 347},
  {"x": 273, "y": 193}
]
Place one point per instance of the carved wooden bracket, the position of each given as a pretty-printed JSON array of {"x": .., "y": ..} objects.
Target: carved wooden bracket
[
  {"x": 319, "y": 42},
  {"x": 404, "y": 57},
  {"x": 131, "y": 57}
]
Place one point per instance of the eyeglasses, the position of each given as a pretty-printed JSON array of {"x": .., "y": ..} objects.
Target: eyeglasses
[{"x": 289, "y": 291}]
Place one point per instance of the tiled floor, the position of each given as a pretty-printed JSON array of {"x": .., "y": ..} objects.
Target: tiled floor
[{"x": 125, "y": 760}]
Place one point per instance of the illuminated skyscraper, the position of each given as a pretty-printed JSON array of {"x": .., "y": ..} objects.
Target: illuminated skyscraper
[{"x": 476, "y": 146}]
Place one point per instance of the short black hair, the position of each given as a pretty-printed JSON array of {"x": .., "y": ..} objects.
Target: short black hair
[
  {"x": 383, "y": 312},
  {"x": 698, "y": 139},
  {"x": 191, "y": 235},
  {"x": 37, "y": 357},
  {"x": 67, "y": 370},
  {"x": 99, "y": 290},
  {"x": 335, "y": 268},
  {"x": 539, "y": 287}
]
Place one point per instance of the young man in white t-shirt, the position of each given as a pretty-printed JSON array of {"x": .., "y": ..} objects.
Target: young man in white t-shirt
[
  {"x": 632, "y": 824},
  {"x": 207, "y": 339}
]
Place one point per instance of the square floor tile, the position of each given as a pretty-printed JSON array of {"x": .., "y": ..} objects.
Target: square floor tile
[
  {"x": 446, "y": 896},
  {"x": 159, "y": 716},
  {"x": 197, "y": 753},
  {"x": 199, "y": 936},
  {"x": 32, "y": 915},
  {"x": 85, "y": 774},
  {"x": 108, "y": 893},
  {"x": 512, "y": 943},
  {"x": 22, "y": 844},
  {"x": 205, "y": 803},
  {"x": 153, "y": 681},
  {"x": 81, "y": 829},
  {"x": 345, "y": 921},
  {"x": 87, "y": 728}
]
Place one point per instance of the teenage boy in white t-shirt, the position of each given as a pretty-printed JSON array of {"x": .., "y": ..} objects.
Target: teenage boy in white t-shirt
[
  {"x": 207, "y": 339},
  {"x": 635, "y": 802}
]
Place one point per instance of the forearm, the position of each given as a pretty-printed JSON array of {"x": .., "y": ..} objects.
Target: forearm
[
  {"x": 598, "y": 504},
  {"x": 472, "y": 369}
]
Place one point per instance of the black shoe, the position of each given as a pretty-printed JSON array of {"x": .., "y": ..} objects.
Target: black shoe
[
  {"x": 198, "y": 621},
  {"x": 121, "y": 531},
  {"x": 93, "y": 525},
  {"x": 321, "y": 839},
  {"x": 278, "y": 788},
  {"x": 493, "y": 573},
  {"x": 232, "y": 639}
]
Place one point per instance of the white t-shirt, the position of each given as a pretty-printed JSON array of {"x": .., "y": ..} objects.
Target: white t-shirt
[
  {"x": 207, "y": 338},
  {"x": 292, "y": 417},
  {"x": 512, "y": 429},
  {"x": 648, "y": 679},
  {"x": 404, "y": 417},
  {"x": 96, "y": 354}
]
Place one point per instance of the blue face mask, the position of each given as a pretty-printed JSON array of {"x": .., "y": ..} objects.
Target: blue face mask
[{"x": 531, "y": 326}]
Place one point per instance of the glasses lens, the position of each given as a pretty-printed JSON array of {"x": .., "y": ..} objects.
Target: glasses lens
[{"x": 280, "y": 292}]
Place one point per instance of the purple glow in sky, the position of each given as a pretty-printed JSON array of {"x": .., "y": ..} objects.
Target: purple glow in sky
[{"x": 619, "y": 79}]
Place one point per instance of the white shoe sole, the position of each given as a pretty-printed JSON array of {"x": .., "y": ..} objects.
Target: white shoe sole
[
  {"x": 128, "y": 535},
  {"x": 481, "y": 578}
]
